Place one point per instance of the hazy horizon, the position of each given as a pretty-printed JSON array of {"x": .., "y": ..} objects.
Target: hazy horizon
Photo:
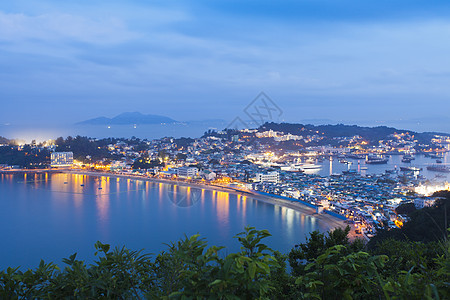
[{"x": 350, "y": 62}]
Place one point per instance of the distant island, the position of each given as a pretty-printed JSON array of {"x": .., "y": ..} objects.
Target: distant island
[{"x": 129, "y": 118}]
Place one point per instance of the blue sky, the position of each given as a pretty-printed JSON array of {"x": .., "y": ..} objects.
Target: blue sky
[{"x": 66, "y": 61}]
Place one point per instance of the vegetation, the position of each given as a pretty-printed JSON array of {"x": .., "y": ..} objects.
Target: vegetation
[
  {"x": 426, "y": 225},
  {"x": 83, "y": 147},
  {"x": 145, "y": 163},
  {"x": 326, "y": 266},
  {"x": 406, "y": 209},
  {"x": 25, "y": 157}
]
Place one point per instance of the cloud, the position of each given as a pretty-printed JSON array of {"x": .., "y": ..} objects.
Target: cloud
[
  {"x": 194, "y": 57},
  {"x": 63, "y": 26}
]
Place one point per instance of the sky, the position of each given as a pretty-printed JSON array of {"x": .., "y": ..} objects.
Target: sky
[{"x": 66, "y": 61}]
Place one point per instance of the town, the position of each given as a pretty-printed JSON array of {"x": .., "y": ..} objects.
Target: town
[{"x": 280, "y": 160}]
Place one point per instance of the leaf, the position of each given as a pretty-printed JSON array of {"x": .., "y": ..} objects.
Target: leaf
[
  {"x": 252, "y": 270},
  {"x": 217, "y": 281}
]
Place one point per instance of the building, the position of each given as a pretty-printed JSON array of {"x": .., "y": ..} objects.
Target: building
[
  {"x": 208, "y": 175},
  {"x": 420, "y": 203},
  {"x": 61, "y": 159},
  {"x": 187, "y": 172},
  {"x": 273, "y": 177}
]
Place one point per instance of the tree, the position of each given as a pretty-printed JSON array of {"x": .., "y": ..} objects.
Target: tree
[
  {"x": 405, "y": 209},
  {"x": 189, "y": 269},
  {"x": 317, "y": 244}
]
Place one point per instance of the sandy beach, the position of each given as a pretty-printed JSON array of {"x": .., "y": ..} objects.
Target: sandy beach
[{"x": 330, "y": 221}]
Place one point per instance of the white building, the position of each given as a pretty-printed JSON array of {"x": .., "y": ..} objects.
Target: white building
[
  {"x": 208, "y": 175},
  {"x": 269, "y": 177},
  {"x": 288, "y": 137},
  {"x": 420, "y": 203},
  {"x": 187, "y": 172},
  {"x": 61, "y": 159},
  {"x": 270, "y": 133}
]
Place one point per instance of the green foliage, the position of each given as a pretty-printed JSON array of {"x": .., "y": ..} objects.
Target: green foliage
[
  {"x": 143, "y": 163},
  {"x": 317, "y": 244},
  {"x": 26, "y": 157},
  {"x": 334, "y": 275},
  {"x": 333, "y": 268},
  {"x": 405, "y": 209},
  {"x": 82, "y": 146},
  {"x": 428, "y": 224}
]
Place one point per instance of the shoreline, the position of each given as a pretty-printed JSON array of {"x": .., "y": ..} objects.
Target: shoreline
[{"x": 331, "y": 222}]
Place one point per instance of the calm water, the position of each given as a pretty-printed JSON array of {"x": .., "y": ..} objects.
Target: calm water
[
  {"x": 41, "y": 133},
  {"x": 395, "y": 161},
  {"x": 52, "y": 216}
]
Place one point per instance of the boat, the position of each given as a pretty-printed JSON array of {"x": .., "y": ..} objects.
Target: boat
[
  {"x": 410, "y": 169},
  {"x": 376, "y": 160},
  {"x": 408, "y": 157},
  {"x": 344, "y": 161},
  {"x": 350, "y": 172},
  {"x": 310, "y": 167},
  {"x": 436, "y": 168},
  {"x": 355, "y": 156},
  {"x": 406, "y": 160},
  {"x": 292, "y": 168},
  {"x": 436, "y": 156},
  {"x": 438, "y": 161}
]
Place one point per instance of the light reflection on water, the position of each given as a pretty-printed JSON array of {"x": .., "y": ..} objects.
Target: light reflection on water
[
  {"x": 333, "y": 166},
  {"x": 51, "y": 216}
]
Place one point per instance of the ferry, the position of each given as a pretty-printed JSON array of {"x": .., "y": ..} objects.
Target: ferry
[
  {"x": 291, "y": 168},
  {"x": 310, "y": 167},
  {"x": 355, "y": 156},
  {"x": 376, "y": 160},
  {"x": 410, "y": 169}
]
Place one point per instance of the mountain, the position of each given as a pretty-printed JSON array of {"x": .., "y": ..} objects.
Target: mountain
[
  {"x": 129, "y": 118},
  {"x": 4, "y": 140},
  {"x": 371, "y": 134}
]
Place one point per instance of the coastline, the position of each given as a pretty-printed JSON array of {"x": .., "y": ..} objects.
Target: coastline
[{"x": 330, "y": 221}]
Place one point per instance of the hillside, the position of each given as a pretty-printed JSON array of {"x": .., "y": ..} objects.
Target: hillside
[{"x": 129, "y": 118}]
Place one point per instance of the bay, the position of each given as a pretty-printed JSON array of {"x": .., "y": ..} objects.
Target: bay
[{"x": 51, "y": 216}]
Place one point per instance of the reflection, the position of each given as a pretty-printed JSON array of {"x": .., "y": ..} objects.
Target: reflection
[
  {"x": 102, "y": 204},
  {"x": 161, "y": 187},
  {"x": 238, "y": 203},
  {"x": 223, "y": 205},
  {"x": 331, "y": 165},
  {"x": 203, "y": 198}
]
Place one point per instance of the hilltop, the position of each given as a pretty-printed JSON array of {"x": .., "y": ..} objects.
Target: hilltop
[{"x": 129, "y": 118}]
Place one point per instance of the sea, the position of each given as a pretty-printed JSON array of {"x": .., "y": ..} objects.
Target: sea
[
  {"x": 334, "y": 166},
  {"x": 51, "y": 216},
  {"x": 42, "y": 133}
]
